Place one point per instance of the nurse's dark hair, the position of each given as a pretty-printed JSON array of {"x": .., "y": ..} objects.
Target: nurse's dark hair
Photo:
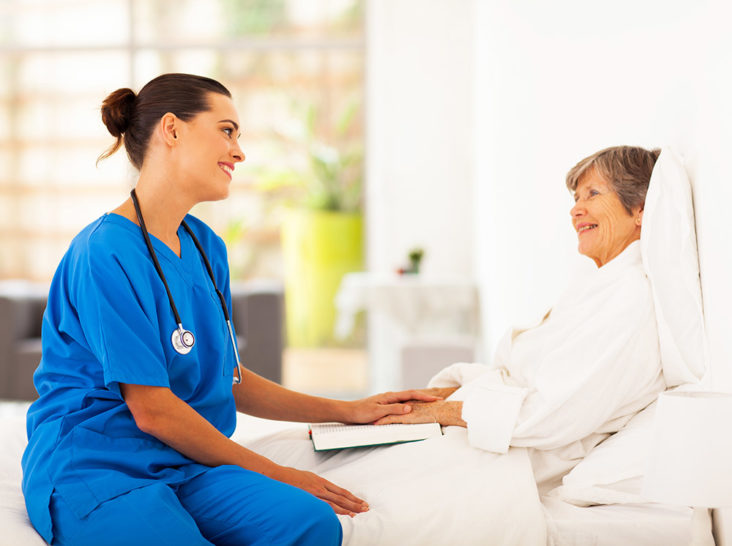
[
  {"x": 627, "y": 169},
  {"x": 130, "y": 117}
]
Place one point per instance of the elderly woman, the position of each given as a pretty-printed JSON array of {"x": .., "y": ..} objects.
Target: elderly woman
[{"x": 591, "y": 362}]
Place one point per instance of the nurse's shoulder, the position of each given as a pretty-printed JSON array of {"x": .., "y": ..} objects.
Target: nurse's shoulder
[
  {"x": 106, "y": 234},
  {"x": 103, "y": 246}
]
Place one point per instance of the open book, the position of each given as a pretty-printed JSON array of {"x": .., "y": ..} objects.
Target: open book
[{"x": 327, "y": 436}]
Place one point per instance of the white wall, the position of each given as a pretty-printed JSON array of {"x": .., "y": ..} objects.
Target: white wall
[
  {"x": 711, "y": 170},
  {"x": 420, "y": 165},
  {"x": 557, "y": 81},
  {"x": 419, "y": 134},
  {"x": 479, "y": 107}
]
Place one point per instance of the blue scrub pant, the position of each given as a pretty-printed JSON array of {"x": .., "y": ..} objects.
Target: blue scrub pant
[{"x": 224, "y": 505}]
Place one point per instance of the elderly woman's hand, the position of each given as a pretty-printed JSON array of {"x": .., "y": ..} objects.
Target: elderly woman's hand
[
  {"x": 440, "y": 392},
  {"x": 444, "y": 412}
]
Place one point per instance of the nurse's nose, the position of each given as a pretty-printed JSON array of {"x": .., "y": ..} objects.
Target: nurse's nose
[{"x": 237, "y": 154}]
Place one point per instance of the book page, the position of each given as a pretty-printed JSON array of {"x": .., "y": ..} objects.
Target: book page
[{"x": 338, "y": 435}]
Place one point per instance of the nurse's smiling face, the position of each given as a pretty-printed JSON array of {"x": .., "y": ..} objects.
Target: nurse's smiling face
[
  {"x": 209, "y": 149},
  {"x": 604, "y": 227}
]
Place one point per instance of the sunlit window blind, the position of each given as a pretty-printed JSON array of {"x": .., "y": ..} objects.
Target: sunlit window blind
[{"x": 58, "y": 59}]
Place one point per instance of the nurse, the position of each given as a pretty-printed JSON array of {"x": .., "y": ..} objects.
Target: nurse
[{"x": 129, "y": 439}]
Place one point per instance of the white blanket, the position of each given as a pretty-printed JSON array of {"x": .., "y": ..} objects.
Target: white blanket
[
  {"x": 438, "y": 491},
  {"x": 436, "y": 508},
  {"x": 15, "y": 527}
]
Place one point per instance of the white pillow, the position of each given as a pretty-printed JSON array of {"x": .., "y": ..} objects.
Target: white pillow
[
  {"x": 612, "y": 472},
  {"x": 619, "y": 457},
  {"x": 669, "y": 252},
  {"x": 625, "y": 492}
]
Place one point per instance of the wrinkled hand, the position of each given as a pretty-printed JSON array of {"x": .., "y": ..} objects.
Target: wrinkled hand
[
  {"x": 368, "y": 410},
  {"x": 341, "y": 500},
  {"x": 441, "y": 411},
  {"x": 440, "y": 392}
]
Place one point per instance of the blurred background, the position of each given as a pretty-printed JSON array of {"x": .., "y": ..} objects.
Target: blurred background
[
  {"x": 59, "y": 59},
  {"x": 295, "y": 69},
  {"x": 375, "y": 131}
]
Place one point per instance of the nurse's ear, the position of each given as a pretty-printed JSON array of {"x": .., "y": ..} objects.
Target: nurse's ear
[
  {"x": 168, "y": 128},
  {"x": 639, "y": 218}
]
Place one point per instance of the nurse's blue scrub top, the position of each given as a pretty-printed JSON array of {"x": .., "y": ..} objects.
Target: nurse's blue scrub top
[{"x": 109, "y": 321}]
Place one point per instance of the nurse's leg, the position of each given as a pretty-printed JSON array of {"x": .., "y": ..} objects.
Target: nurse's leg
[
  {"x": 148, "y": 515},
  {"x": 235, "y": 506}
]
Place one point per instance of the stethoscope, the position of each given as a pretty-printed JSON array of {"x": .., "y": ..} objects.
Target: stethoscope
[{"x": 183, "y": 340}]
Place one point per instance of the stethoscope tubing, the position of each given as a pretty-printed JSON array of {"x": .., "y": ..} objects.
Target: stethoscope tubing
[
  {"x": 209, "y": 269},
  {"x": 154, "y": 256}
]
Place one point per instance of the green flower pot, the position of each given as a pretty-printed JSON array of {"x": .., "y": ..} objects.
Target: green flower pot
[{"x": 319, "y": 248}]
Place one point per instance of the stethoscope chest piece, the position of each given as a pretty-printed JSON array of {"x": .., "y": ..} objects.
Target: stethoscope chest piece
[{"x": 182, "y": 340}]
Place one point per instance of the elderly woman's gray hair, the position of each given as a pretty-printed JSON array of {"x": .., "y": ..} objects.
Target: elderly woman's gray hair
[{"x": 626, "y": 168}]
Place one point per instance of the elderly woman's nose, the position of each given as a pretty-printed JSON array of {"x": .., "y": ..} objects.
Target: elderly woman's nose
[{"x": 576, "y": 210}]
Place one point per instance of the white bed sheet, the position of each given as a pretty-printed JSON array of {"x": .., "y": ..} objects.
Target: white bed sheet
[
  {"x": 437, "y": 491},
  {"x": 625, "y": 524},
  {"x": 566, "y": 524}
]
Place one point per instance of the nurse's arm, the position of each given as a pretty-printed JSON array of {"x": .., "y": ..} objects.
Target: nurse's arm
[
  {"x": 159, "y": 412},
  {"x": 261, "y": 397}
]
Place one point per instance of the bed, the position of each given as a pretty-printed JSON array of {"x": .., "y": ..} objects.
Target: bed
[
  {"x": 440, "y": 491},
  {"x": 566, "y": 524}
]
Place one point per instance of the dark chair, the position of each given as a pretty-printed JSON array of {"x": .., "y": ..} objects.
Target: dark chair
[
  {"x": 21, "y": 313},
  {"x": 257, "y": 312},
  {"x": 258, "y": 315}
]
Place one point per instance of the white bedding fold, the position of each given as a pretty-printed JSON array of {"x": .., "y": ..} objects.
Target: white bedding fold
[{"x": 437, "y": 491}]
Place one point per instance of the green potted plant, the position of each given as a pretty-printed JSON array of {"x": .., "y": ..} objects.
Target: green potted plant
[{"x": 322, "y": 223}]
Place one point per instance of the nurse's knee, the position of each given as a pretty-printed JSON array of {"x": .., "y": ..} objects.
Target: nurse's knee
[{"x": 324, "y": 527}]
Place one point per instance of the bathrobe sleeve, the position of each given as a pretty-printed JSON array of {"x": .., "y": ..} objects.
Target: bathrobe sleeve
[{"x": 591, "y": 362}]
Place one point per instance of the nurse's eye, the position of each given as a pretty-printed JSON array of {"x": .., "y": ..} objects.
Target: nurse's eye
[{"x": 229, "y": 131}]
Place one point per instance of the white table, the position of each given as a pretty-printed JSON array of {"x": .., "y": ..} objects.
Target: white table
[{"x": 406, "y": 310}]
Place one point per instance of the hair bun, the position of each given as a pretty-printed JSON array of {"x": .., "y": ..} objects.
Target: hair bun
[{"x": 117, "y": 110}]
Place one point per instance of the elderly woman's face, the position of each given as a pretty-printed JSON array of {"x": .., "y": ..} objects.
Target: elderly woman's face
[{"x": 604, "y": 228}]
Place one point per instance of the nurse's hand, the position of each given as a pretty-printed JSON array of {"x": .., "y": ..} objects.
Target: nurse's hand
[
  {"x": 341, "y": 500},
  {"x": 373, "y": 408},
  {"x": 444, "y": 412}
]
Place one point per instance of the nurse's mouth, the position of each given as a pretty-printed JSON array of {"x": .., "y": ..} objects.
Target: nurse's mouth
[{"x": 228, "y": 168}]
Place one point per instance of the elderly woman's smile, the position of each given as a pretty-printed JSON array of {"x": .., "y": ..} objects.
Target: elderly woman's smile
[
  {"x": 583, "y": 227},
  {"x": 604, "y": 226}
]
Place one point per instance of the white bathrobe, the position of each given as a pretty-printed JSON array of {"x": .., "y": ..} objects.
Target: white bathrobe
[{"x": 560, "y": 387}]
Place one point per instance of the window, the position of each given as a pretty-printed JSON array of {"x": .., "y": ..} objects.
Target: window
[{"x": 59, "y": 59}]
